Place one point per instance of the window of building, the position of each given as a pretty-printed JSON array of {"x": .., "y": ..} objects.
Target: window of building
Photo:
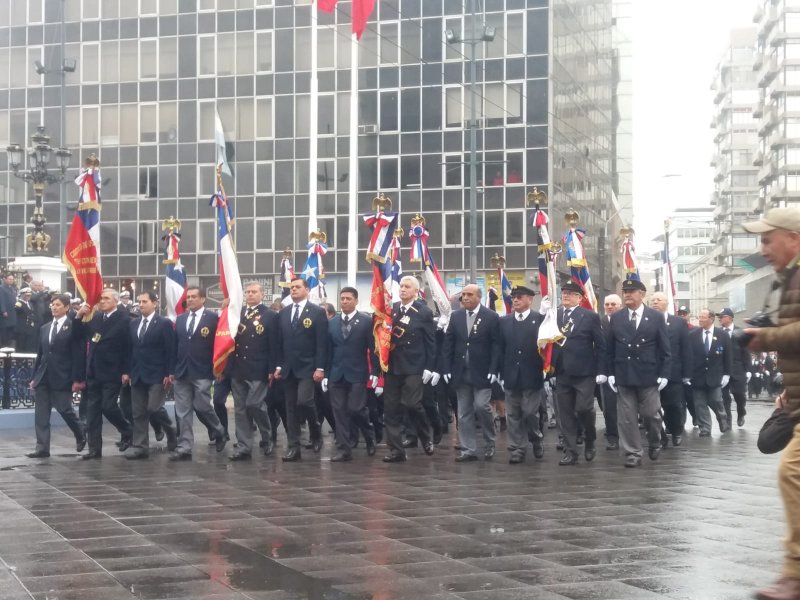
[
  {"x": 148, "y": 123},
  {"x": 89, "y": 125},
  {"x": 264, "y": 233},
  {"x": 454, "y": 106},
  {"x": 515, "y": 227},
  {"x": 128, "y": 60},
  {"x": 514, "y": 33},
  {"x": 264, "y": 177},
  {"x": 453, "y": 234},
  {"x": 148, "y": 7},
  {"x": 226, "y": 54},
  {"x": 389, "y": 170},
  {"x": 204, "y": 5},
  {"x": 148, "y": 58},
  {"x": 148, "y": 182},
  {"x": 168, "y": 122},
  {"x": 4, "y": 137},
  {"x": 109, "y": 125},
  {"x": 389, "y": 43},
  {"x": 206, "y": 55},
  {"x": 326, "y": 114},
  {"x": 110, "y": 9},
  {"x": 263, "y": 51},
  {"x": 168, "y": 57},
  {"x": 206, "y": 236},
  {"x": 326, "y": 176},
  {"x": 453, "y": 51},
  {"x": 515, "y": 168},
  {"x": 147, "y": 238},
  {"x": 34, "y": 54},
  {"x": 245, "y": 119},
  {"x": 264, "y": 118},
  {"x": 453, "y": 170},
  {"x": 388, "y": 107},
  {"x": 90, "y": 9},
  {"x": 493, "y": 227},
  {"x": 35, "y": 11},
  {"x": 245, "y": 53},
  {"x": 128, "y": 124}
]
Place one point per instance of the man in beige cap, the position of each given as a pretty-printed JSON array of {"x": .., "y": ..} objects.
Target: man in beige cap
[{"x": 780, "y": 245}]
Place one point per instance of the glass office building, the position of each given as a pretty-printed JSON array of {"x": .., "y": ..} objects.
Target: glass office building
[{"x": 150, "y": 74}]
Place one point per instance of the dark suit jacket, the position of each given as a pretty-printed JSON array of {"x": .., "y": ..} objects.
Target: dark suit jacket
[
  {"x": 254, "y": 356},
  {"x": 482, "y": 342},
  {"x": 8, "y": 298},
  {"x": 678, "y": 333},
  {"x": 153, "y": 357},
  {"x": 194, "y": 356},
  {"x": 303, "y": 348},
  {"x": 709, "y": 368},
  {"x": 638, "y": 357},
  {"x": 521, "y": 365},
  {"x": 63, "y": 362},
  {"x": 413, "y": 348},
  {"x": 348, "y": 358},
  {"x": 109, "y": 345},
  {"x": 583, "y": 353},
  {"x": 741, "y": 361}
]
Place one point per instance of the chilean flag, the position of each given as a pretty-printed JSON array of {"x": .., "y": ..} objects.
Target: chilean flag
[
  {"x": 362, "y": 9},
  {"x": 175, "y": 282},
  {"x": 230, "y": 282},
  {"x": 82, "y": 249}
]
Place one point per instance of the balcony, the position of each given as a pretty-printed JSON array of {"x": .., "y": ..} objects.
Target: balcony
[
  {"x": 767, "y": 172},
  {"x": 768, "y": 71},
  {"x": 768, "y": 121},
  {"x": 769, "y": 16},
  {"x": 758, "y": 159}
]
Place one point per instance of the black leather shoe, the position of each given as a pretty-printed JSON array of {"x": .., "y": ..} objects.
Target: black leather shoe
[
  {"x": 118, "y": 444},
  {"x": 489, "y": 453},
  {"x": 92, "y": 454},
  {"x": 236, "y": 456},
  {"x": 516, "y": 459},
  {"x": 538, "y": 448},
  {"x": 177, "y": 456},
  {"x": 613, "y": 445},
  {"x": 269, "y": 449},
  {"x": 80, "y": 444},
  {"x": 740, "y": 421},
  {"x": 410, "y": 443},
  {"x": 664, "y": 441},
  {"x": 589, "y": 452},
  {"x": 560, "y": 443},
  {"x": 124, "y": 444},
  {"x": 159, "y": 435},
  {"x": 437, "y": 437},
  {"x": 579, "y": 440},
  {"x": 220, "y": 442},
  {"x": 339, "y": 457},
  {"x": 677, "y": 440},
  {"x": 308, "y": 445},
  {"x": 705, "y": 434},
  {"x": 38, "y": 454},
  {"x": 172, "y": 439},
  {"x": 370, "y": 447},
  {"x": 653, "y": 452},
  {"x": 723, "y": 427},
  {"x": 428, "y": 448},
  {"x": 262, "y": 443},
  {"x": 464, "y": 457},
  {"x": 316, "y": 445},
  {"x": 568, "y": 460},
  {"x": 394, "y": 457},
  {"x": 292, "y": 455},
  {"x": 633, "y": 461},
  {"x": 136, "y": 455}
]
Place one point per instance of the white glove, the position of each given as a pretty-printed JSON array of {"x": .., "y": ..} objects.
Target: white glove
[
  {"x": 435, "y": 377},
  {"x": 687, "y": 381},
  {"x": 426, "y": 376},
  {"x": 491, "y": 377},
  {"x": 502, "y": 384},
  {"x": 749, "y": 375},
  {"x": 600, "y": 379},
  {"x": 378, "y": 391},
  {"x": 373, "y": 381},
  {"x": 545, "y": 305},
  {"x": 325, "y": 385},
  {"x": 446, "y": 377},
  {"x": 725, "y": 380},
  {"x": 766, "y": 373},
  {"x": 662, "y": 383},
  {"x": 442, "y": 322},
  {"x": 612, "y": 383}
]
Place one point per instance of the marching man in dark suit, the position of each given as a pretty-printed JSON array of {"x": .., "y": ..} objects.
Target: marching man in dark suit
[
  {"x": 194, "y": 362},
  {"x": 673, "y": 396},
  {"x": 711, "y": 348},
  {"x": 109, "y": 349},
  {"x": 608, "y": 397},
  {"x": 411, "y": 360},
  {"x": 471, "y": 363},
  {"x": 741, "y": 372},
  {"x": 250, "y": 368},
  {"x": 638, "y": 369},
  {"x": 150, "y": 368},
  {"x": 521, "y": 375},
  {"x": 352, "y": 343},
  {"x": 59, "y": 370},
  {"x": 301, "y": 363},
  {"x": 579, "y": 365},
  {"x": 26, "y": 332}
]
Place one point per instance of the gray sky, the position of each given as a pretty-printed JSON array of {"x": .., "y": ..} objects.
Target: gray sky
[{"x": 675, "y": 50}]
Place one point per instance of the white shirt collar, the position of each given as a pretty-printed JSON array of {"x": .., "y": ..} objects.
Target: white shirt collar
[
  {"x": 407, "y": 306},
  {"x": 639, "y": 311},
  {"x": 349, "y": 315},
  {"x": 475, "y": 310},
  {"x": 709, "y": 330},
  {"x": 199, "y": 312},
  {"x": 524, "y": 314},
  {"x": 60, "y": 322},
  {"x": 301, "y": 304},
  {"x": 108, "y": 314}
]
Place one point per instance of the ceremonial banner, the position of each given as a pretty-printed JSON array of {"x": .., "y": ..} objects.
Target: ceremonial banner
[
  {"x": 666, "y": 271},
  {"x": 287, "y": 274},
  {"x": 629, "y": 254},
  {"x": 82, "y": 248},
  {"x": 175, "y": 282},
  {"x": 576, "y": 261},
  {"x": 313, "y": 271},
  {"x": 421, "y": 253}
]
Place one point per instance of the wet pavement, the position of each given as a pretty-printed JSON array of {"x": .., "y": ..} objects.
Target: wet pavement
[{"x": 703, "y": 522}]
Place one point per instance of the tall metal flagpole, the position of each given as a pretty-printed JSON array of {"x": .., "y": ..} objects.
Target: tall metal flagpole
[
  {"x": 312, "y": 124},
  {"x": 473, "y": 159},
  {"x": 352, "y": 209}
]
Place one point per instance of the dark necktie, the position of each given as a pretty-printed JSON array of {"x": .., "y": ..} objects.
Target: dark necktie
[
  {"x": 567, "y": 313},
  {"x": 143, "y": 329},
  {"x": 345, "y": 326},
  {"x": 708, "y": 341},
  {"x": 105, "y": 316},
  {"x": 296, "y": 316},
  {"x": 191, "y": 324},
  {"x": 403, "y": 310},
  {"x": 633, "y": 319},
  {"x": 520, "y": 317},
  {"x": 53, "y": 331}
]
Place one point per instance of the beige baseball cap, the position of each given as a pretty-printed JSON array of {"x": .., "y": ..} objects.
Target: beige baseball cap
[{"x": 787, "y": 218}]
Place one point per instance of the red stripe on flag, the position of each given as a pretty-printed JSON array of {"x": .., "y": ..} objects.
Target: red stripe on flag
[
  {"x": 81, "y": 258},
  {"x": 362, "y": 9},
  {"x": 326, "y": 5}
]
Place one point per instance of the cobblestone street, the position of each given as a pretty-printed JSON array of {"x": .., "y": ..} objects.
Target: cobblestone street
[{"x": 704, "y": 522}]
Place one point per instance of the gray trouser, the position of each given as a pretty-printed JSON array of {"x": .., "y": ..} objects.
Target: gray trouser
[
  {"x": 193, "y": 395},
  {"x": 705, "y": 398},
  {"x": 474, "y": 404},
  {"x": 522, "y": 415},
  {"x": 46, "y": 400},
  {"x": 575, "y": 400},
  {"x": 632, "y": 402},
  {"x": 300, "y": 407},
  {"x": 147, "y": 401},
  {"x": 350, "y": 412},
  {"x": 249, "y": 405}
]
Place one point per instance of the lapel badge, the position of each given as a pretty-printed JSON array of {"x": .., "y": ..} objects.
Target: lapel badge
[
  {"x": 259, "y": 328},
  {"x": 204, "y": 332},
  {"x": 96, "y": 337},
  {"x": 405, "y": 320},
  {"x": 307, "y": 323}
]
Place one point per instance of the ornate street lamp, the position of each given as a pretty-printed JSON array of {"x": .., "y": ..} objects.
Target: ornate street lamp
[{"x": 40, "y": 175}]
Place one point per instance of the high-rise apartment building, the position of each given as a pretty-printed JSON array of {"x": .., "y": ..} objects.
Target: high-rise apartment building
[{"x": 150, "y": 74}]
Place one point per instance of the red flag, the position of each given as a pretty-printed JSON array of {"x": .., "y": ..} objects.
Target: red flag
[
  {"x": 327, "y": 5},
  {"x": 381, "y": 302},
  {"x": 362, "y": 9}
]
